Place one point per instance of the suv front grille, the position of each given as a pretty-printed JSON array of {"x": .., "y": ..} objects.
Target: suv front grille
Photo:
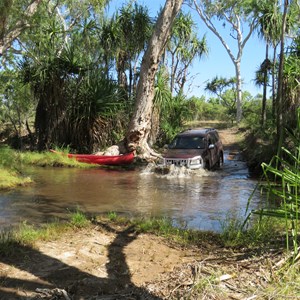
[
  {"x": 192, "y": 163},
  {"x": 177, "y": 162}
]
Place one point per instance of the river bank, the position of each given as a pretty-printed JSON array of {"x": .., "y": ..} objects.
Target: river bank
[{"x": 113, "y": 260}]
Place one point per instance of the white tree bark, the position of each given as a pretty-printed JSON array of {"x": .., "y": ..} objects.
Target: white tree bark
[
  {"x": 140, "y": 126},
  {"x": 12, "y": 33},
  {"x": 241, "y": 42}
]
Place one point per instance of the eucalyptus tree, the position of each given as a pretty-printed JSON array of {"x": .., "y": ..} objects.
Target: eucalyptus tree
[
  {"x": 16, "y": 16},
  {"x": 184, "y": 46},
  {"x": 137, "y": 137},
  {"x": 241, "y": 19}
]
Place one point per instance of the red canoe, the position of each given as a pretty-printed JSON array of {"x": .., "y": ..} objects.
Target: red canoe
[{"x": 114, "y": 160}]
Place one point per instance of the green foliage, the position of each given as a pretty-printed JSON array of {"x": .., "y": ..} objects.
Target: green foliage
[
  {"x": 27, "y": 234},
  {"x": 162, "y": 225},
  {"x": 131, "y": 29},
  {"x": 50, "y": 159},
  {"x": 112, "y": 216},
  {"x": 17, "y": 105},
  {"x": 252, "y": 115},
  {"x": 10, "y": 175},
  {"x": 78, "y": 219},
  {"x": 75, "y": 98},
  {"x": 183, "y": 48},
  {"x": 269, "y": 20},
  {"x": 211, "y": 109},
  {"x": 292, "y": 74},
  {"x": 282, "y": 176},
  {"x": 260, "y": 232},
  {"x": 174, "y": 116},
  {"x": 8, "y": 158},
  {"x": 10, "y": 179}
]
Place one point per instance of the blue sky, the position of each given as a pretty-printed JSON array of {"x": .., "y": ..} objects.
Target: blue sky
[{"x": 218, "y": 62}]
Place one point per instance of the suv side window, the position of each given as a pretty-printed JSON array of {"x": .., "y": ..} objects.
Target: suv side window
[
  {"x": 214, "y": 137},
  {"x": 211, "y": 139}
]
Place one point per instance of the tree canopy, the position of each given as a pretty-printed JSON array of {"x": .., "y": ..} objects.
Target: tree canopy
[{"x": 74, "y": 75}]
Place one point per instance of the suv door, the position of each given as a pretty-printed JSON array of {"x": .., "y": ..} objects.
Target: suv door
[{"x": 213, "y": 149}]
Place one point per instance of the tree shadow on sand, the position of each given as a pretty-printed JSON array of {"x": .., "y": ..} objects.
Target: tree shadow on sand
[{"x": 50, "y": 273}]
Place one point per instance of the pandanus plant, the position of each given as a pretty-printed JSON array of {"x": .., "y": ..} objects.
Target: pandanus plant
[{"x": 281, "y": 179}]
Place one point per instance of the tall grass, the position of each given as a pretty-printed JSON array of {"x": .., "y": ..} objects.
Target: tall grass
[
  {"x": 12, "y": 162},
  {"x": 10, "y": 176},
  {"x": 282, "y": 182}
]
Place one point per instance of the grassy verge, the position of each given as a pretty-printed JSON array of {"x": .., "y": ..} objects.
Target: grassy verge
[
  {"x": 264, "y": 233},
  {"x": 253, "y": 246},
  {"x": 27, "y": 235},
  {"x": 10, "y": 179},
  {"x": 259, "y": 235},
  {"x": 11, "y": 164}
]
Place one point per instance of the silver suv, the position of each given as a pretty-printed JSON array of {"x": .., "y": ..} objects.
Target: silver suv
[{"x": 194, "y": 149}]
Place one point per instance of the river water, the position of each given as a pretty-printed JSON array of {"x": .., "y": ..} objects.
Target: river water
[{"x": 199, "y": 199}]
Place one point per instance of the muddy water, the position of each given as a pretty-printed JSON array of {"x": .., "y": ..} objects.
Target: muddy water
[{"x": 198, "y": 199}]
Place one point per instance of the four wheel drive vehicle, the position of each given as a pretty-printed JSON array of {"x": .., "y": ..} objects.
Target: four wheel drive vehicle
[{"x": 194, "y": 149}]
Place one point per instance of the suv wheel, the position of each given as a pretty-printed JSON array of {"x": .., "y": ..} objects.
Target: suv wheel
[
  {"x": 220, "y": 162},
  {"x": 207, "y": 165}
]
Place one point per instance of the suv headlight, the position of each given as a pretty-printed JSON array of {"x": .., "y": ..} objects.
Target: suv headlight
[{"x": 196, "y": 161}]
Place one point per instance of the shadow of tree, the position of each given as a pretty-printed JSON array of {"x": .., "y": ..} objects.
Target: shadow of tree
[{"x": 49, "y": 273}]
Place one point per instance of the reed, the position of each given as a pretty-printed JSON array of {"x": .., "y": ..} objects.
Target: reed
[{"x": 281, "y": 182}]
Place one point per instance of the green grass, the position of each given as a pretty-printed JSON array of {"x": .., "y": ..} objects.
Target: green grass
[
  {"x": 50, "y": 159},
  {"x": 11, "y": 163},
  {"x": 281, "y": 182},
  {"x": 79, "y": 219},
  {"x": 262, "y": 232},
  {"x": 27, "y": 234},
  {"x": 10, "y": 179},
  {"x": 282, "y": 284},
  {"x": 112, "y": 216}
]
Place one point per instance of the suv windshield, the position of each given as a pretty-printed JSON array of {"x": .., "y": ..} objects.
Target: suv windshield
[{"x": 187, "y": 142}]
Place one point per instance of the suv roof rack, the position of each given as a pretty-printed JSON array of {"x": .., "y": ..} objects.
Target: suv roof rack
[
  {"x": 203, "y": 129},
  {"x": 209, "y": 129}
]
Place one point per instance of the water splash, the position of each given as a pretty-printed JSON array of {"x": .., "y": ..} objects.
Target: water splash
[
  {"x": 173, "y": 171},
  {"x": 204, "y": 173},
  {"x": 178, "y": 172},
  {"x": 149, "y": 169}
]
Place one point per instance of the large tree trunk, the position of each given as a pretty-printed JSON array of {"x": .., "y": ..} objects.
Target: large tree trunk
[{"x": 140, "y": 125}]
